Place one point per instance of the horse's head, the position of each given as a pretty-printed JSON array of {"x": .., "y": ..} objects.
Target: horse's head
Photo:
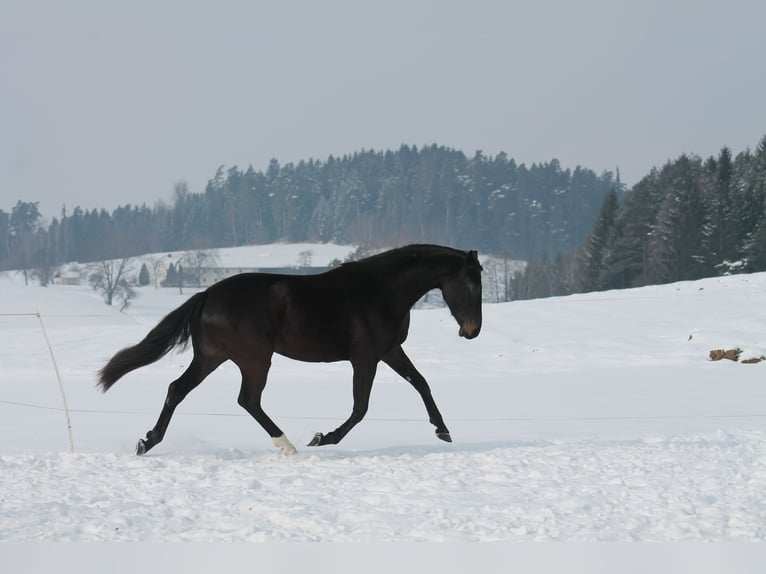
[{"x": 462, "y": 293}]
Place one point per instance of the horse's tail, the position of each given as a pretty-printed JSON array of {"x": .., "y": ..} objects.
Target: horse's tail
[{"x": 172, "y": 331}]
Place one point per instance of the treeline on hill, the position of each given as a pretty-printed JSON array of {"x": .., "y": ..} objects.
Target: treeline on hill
[
  {"x": 692, "y": 218},
  {"x": 432, "y": 194},
  {"x": 580, "y": 232}
]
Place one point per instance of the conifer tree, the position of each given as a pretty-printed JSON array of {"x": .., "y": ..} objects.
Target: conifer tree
[
  {"x": 595, "y": 252},
  {"x": 143, "y": 275},
  {"x": 677, "y": 245},
  {"x": 625, "y": 261}
]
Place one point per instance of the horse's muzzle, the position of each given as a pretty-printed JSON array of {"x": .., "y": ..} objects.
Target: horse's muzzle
[{"x": 469, "y": 330}]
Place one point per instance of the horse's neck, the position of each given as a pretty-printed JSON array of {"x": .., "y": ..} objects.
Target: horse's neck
[{"x": 414, "y": 281}]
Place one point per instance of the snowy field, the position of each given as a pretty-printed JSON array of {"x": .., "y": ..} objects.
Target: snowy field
[{"x": 588, "y": 418}]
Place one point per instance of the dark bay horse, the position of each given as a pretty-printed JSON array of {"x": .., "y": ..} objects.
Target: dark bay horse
[{"x": 357, "y": 312}]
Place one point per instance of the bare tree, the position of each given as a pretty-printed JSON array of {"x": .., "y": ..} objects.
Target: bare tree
[
  {"x": 499, "y": 271},
  {"x": 44, "y": 273},
  {"x": 304, "y": 258},
  {"x": 110, "y": 280},
  {"x": 199, "y": 259}
]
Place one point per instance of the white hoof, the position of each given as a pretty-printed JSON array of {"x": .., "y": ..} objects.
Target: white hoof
[{"x": 284, "y": 444}]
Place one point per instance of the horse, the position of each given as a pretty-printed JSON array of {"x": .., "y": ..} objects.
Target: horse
[{"x": 357, "y": 312}]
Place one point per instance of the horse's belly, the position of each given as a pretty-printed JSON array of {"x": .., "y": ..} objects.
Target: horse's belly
[
  {"x": 312, "y": 349},
  {"x": 311, "y": 355}
]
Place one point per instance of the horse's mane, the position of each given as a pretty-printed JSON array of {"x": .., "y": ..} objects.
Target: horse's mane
[{"x": 405, "y": 254}]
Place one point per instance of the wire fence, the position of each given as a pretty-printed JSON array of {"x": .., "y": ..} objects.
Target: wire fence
[{"x": 625, "y": 418}]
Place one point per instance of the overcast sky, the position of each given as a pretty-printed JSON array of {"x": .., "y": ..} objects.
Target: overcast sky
[{"x": 109, "y": 103}]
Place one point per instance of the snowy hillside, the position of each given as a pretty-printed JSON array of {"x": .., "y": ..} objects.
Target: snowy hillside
[{"x": 594, "y": 417}]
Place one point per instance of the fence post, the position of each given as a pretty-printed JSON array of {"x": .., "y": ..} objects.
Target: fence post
[{"x": 61, "y": 385}]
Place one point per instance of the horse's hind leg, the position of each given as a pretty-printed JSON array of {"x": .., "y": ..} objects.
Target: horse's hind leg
[
  {"x": 401, "y": 364},
  {"x": 199, "y": 368},
  {"x": 254, "y": 374}
]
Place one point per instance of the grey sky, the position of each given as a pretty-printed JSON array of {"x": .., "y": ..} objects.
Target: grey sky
[{"x": 108, "y": 103}]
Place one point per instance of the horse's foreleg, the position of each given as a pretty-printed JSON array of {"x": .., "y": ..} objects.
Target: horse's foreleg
[
  {"x": 364, "y": 374},
  {"x": 401, "y": 364},
  {"x": 177, "y": 391},
  {"x": 254, "y": 374}
]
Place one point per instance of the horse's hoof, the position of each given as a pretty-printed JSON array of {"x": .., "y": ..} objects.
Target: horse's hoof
[
  {"x": 444, "y": 436},
  {"x": 317, "y": 440},
  {"x": 285, "y": 445},
  {"x": 141, "y": 447}
]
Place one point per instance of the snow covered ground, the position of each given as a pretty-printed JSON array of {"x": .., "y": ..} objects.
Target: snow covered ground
[{"x": 589, "y": 418}]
